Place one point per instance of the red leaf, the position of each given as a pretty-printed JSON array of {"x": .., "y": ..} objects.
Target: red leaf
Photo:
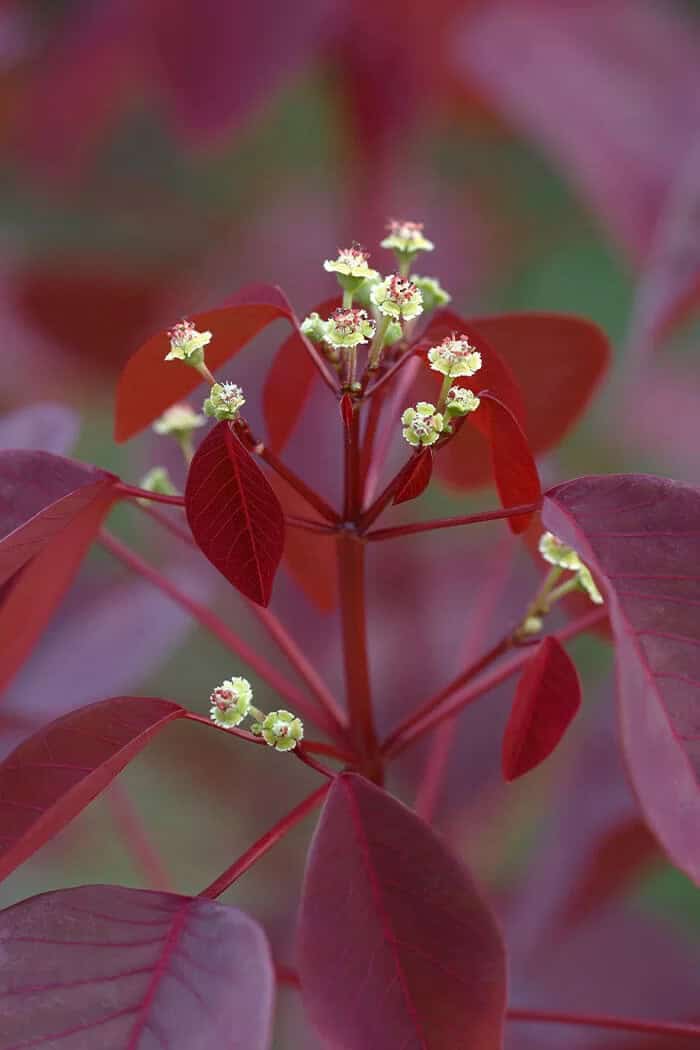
[
  {"x": 54, "y": 774},
  {"x": 640, "y": 536},
  {"x": 404, "y": 910},
  {"x": 107, "y": 966},
  {"x": 514, "y": 468},
  {"x": 149, "y": 384},
  {"x": 40, "y": 496},
  {"x": 289, "y": 383},
  {"x": 557, "y": 362},
  {"x": 546, "y": 701},
  {"x": 416, "y": 477},
  {"x": 310, "y": 559},
  {"x": 235, "y": 517}
]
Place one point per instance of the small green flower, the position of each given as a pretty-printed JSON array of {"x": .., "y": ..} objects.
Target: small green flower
[
  {"x": 224, "y": 402},
  {"x": 158, "y": 480},
  {"x": 178, "y": 421},
  {"x": 348, "y": 328},
  {"x": 455, "y": 356},
  {"x": 187, "y": 344},
  {"x": 434, "y": 294},
  {"x": 230, "y": 702},
  {"x": 314, "y": 328},
  {"x": 351, "y": 262},
  {"x": 406, "y": 238},
  {"x": 586, "y": 581},
  {"x": 393, "y": 333},
  {"x": 281, "y": 730},
  {"x": 460, "y": 401},
  {"x": 397, "y": 297},
  {"x": 557, "y": 553},
  {"x": 422, "y": 425}
]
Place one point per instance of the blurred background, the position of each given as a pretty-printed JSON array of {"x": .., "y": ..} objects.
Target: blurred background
[{"x": 158, "y": 154}]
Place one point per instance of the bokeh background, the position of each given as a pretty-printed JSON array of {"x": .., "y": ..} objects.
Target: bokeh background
[{"x": 157, "y": 154}]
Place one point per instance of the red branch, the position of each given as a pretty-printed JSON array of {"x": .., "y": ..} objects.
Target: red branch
[
  {"x": 622, "y": 1024},
  {"x": 450, "y": 523},
  {"x": 263, "y": 844},
  {"x": 133, "y": 492}
]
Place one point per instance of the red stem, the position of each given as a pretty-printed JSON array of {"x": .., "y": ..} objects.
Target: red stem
[
  {"x": 622, "y": 1024},
  {"x": 287, "y": 474},
  {"x": 318, "y": 747},
  {"x": 309, "y": 525},
  {"x": 449, "y": 523},
  {"x": 369, "y": 436},
  {"x": 263, "y": 844},
  {"x": 391, "y": 372},
  {"x": 351, "y": 578},
  {"x": 219, "y": 629},
  {"x": 166, "y": 522},
  {"x": 130, "y": 826},
  {"x": 301, "y": 753},
  {"x": 133, "y": 492},
  {"x": 376, "y": 508},
  {"x": 404, "y": 735},
  {"x": 392, "y": 411}
]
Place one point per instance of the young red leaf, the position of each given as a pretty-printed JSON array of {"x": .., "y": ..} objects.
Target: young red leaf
[
  {"x": 148, "y": 385},
  {"x": 54, "y": 774},
  {"x": 640, "y": 536},
  {"x": 415, "y": 477},
  {"x": 107, "y": 966},
  {"x": 546, "y": 701},
  {"x": 235, "y": 517},
  {"x": 310, "y": 560},
  {"x": 415, "y": 959},
  {"x": 557, "y": 362},
  {"x": 41, "y": 495},
  {"x": 289, "y": 383}
]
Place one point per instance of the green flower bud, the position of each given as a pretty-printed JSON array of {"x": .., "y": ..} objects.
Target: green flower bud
[
  {"x": 314, "y": 328},
  {"x": 398, "y": 298},
  {"x": 281, "y": 730},
  {"x": 406, "y": 238},
  {"x": 187, "y": 344},
  {"x": 434, "y": 294},
  {"x": 587, "y": 584},
  {"x": 460, "y": 401},
  {"x": 557, "y": 553},
  {"x": 178, "y": 421},
  {"x": 224, "y": 402},
  {"x": 158, "y": 480},
  {"x": 230, "y": 702},
  {"x": 351, "y": 263},
  {"x": 455, "y": 356},
  {"x": 422, "y": 425}
]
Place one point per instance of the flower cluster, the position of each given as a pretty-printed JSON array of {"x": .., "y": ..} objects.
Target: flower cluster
[
  {"x": 397, "y": 297},
  {"x": 232, "y": 702},
  {"x": 422, "y": 425},
  {"x": 459, "y": 401},
  {"x": 187, "y": 344},
  {"x": 224, "y": 402},
  {"x": 406, "y": 237},
  {"x": 351, "y": 262},
  {"x": 178, "y": 421},
  {"x": 348, "y": 328},
  {"x": 559, "y": 554},
  {"x": 455, "y": 356}
]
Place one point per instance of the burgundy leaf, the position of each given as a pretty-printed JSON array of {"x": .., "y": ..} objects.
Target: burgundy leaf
[
  {"x": 415, "y": 477},
  {"x": 289, "y": 382},
  {"x": 546, "y": 701},
  {"x": 54, "y": 774},
  {"x": 415, "y": 959},
  {"x": 149, "y": 384},
  {"x": 234, "y": 514},
  {"x": 41, "y": 495},
  {"x": 641, "y": 537},
  {"x": 107, "y": 966}
]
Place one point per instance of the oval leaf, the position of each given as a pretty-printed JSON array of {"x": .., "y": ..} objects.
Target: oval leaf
[
  {"x": 292, "y": 373},
  {"x": 149, "y": 384},
  {"x": 546, "y": 701},
  {"x": 415, "y": 478},
  {"x": 413, "y": 942},
  {"x": 641, "y": 537},
  {"x": 54, "y": 774},
  {"x": 235, "y": 517},
  {"x": 107, "y": 966},
  {"x": 40, "y": 496}
]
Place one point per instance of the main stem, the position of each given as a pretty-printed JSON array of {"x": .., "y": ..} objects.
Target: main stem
[
  {"x": 621, "y": 1024},
  {"x": 351, "y": 579}
]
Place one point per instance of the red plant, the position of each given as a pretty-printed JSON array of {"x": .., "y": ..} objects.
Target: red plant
[{"x": 396, "y": 946}]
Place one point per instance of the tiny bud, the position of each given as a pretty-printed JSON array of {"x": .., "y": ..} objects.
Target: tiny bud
[
  {"x": 351, "y": 262},
  {"x": 397, "y": 297},
  {"x": 187, "y": 344},
  {"x": 281, "y": 730},
  {"x": 557, "y": 553},
  {"x": 348, "y": 328},
  {"x": 178, "y": 421},
  {"x": 406, "y": 238},
  {"x": 158, "y": 480},
  {"x": 230, "y": 702},
  {"x": 434, "y": 294},
  {"x": 588, "y": 585},
  {"x": 422, "y": 425},
  {"x": 455, "y": 356},
  {"x": 530, "y": 625},
  {"x": 224, "y": 402},
  {"x": 314, "y": 328},
  {"x": 460, "y": 401}
]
